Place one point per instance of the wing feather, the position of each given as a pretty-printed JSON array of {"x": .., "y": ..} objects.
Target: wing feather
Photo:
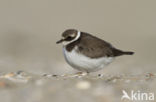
[{"x": 94, "y": 47}]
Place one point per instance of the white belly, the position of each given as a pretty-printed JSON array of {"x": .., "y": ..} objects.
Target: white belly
[{"x": 83, "y": 63}]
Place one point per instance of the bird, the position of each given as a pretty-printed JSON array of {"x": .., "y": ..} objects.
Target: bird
[{"x": 86, "y": 52}]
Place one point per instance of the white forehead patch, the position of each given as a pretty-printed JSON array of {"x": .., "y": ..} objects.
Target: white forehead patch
[{"x": 77, "y": 37}]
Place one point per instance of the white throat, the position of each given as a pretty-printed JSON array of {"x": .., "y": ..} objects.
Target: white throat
[{"x": 77, "y": 37}]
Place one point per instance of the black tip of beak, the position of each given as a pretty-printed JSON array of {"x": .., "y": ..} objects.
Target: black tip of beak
[{"x": 60, "y": 41}]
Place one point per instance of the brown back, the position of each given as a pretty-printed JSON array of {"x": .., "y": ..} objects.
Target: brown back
[{"x": 91, "y": 46}]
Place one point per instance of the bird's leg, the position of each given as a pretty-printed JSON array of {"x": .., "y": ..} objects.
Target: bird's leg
[
  {"x": 82, "y": 73},
  {"x": 79, "y": 74}
]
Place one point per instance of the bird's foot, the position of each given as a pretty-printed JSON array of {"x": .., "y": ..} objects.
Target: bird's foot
[
  {"x": 78, "y": 74},
  {"x": 81, "y": 73}
]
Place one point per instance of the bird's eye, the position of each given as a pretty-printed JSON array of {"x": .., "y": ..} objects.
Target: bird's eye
[{"x": 69, "y": 38}]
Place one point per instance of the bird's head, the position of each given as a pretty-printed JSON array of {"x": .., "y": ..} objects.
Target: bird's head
[{"x": 69, "y": 36}]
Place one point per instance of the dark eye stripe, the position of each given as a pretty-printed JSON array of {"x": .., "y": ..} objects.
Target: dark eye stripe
[{"x": 69, "y": 38}]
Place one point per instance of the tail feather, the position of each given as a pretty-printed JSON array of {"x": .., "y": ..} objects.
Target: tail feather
[{"x": 118, "y": 52}]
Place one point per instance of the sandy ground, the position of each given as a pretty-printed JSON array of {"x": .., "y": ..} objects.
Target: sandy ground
[
  {"x": 22, "y": 86},
  {"x": 29, "y": 30}
]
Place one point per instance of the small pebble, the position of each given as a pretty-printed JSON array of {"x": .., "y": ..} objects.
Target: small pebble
[
  {"x": 20, "y": 72},
  {"x": 99, "y": 75},
  {"x": 9, "y": 75},
  {"x": 55, "y": 75},
  {"x": 83, "y": 85}
]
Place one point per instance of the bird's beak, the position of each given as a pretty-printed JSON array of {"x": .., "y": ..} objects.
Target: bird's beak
[{"x": 60, "y": 41}]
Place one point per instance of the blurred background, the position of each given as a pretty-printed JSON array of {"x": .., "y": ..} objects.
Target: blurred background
[{"x": 29, "y": 30}]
